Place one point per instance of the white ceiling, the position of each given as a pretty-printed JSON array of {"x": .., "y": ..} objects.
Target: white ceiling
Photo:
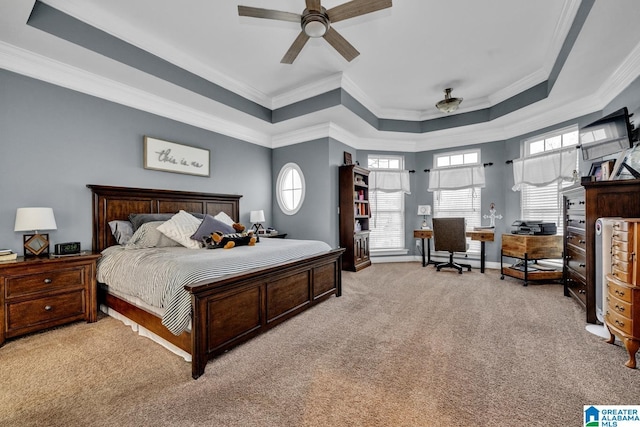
[{"x": 486, "y": 51}]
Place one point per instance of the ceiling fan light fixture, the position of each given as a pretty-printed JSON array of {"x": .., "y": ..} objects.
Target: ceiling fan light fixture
[
  {"x": 448, "y": 104},
  {"x": 315, "y": 24}
]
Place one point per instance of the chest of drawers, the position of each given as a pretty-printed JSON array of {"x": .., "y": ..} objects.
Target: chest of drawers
[
  {"x": 575, "y": 245},
  {"x": 37, "y": 294},
  {"x": 622, "y": 302}
]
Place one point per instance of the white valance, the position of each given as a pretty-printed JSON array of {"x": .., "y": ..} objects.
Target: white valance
[
  {"x": 390, "y": 181},
  {"x": 543, "y": 169},
  {"x": 456, "y": 178}
]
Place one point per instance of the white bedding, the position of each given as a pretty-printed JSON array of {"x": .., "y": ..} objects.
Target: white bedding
[{"x": 157, "y": 276}]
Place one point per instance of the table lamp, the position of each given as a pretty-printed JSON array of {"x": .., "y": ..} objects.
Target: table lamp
[
  {"x": 257, "y": 218},
  {"x": 424, "y": 211},
  {"x": 34, "y": 219}
]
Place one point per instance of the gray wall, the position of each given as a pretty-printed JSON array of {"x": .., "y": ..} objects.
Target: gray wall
[{"x": 56, "y": 141}]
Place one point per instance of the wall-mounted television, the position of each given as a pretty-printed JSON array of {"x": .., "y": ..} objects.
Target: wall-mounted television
[{"x": 608, "y": 135}]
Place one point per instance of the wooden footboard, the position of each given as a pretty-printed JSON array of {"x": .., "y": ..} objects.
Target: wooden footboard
[{"x": 233, "y": 310}]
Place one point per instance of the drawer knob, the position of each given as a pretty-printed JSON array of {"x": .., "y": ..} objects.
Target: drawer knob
[
  {"x": 582, "y": 265},
  {"x": 47, "y": 281},
  {"x": 48, "y": 308},
  {"x": 582, "y": 241},
  {"x": 582, "y": 291},
  {"x": 621, "y": 293},
  {"x": 620, "y": 309},
  {"x": 619, "y": 323}
]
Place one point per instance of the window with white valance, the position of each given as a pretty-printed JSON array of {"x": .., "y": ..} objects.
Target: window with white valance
[
  {"x": 456, "y": 178},
  {"x": 388, "y": 184},
  {"x": 546, "y": 168}
]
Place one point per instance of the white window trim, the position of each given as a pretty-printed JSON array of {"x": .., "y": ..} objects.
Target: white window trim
[{"x": 281, "y": 175}]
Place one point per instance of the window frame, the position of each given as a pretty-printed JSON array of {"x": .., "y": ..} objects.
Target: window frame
[
  {"x": 402, "y": 211},
  {"x": 291, "y": 166}
]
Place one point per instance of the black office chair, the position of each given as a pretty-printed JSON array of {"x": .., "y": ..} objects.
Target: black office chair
[{"x": 449, "y": 235}]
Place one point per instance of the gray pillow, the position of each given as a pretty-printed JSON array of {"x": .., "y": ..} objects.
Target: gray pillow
[
  {"x": 122, "y": 231},
  {"x": 147, "y": 236},
  {"x": 138, "y": 219},
  {"x": 208, "y": 225}
]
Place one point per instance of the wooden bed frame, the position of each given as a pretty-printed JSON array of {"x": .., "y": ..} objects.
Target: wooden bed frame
[{"x": 229, "y": 310}]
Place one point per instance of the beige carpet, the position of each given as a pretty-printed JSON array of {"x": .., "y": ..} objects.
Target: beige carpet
[{"x": 403, "y": 346}]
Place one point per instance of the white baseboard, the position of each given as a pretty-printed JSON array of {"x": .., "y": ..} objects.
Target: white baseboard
[{"x": 475, "y": 263}]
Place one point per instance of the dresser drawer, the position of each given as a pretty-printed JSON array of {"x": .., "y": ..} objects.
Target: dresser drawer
[
  {"x": 618, "y": 291},
  {"x": 622, "y": 323},
  {"x": 621, "y": 275},
  {"x": 35, "y": 313},
  {"x": 45, "y": 281},
  {"x": 576, "y": 239},
  {"x": 619, "y": 246},
  {"x": 615, "y": 305},
  {"x": 576, "y": 221},
  {"x": 620, "y": 236},
  {"x": 577, "y": 286},
  {"x": 575, "y": 204},
  {"x": 621, "y": 226},
  {"x": 576, "y": 260}
]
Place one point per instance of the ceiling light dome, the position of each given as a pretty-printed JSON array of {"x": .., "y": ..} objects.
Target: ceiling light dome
[
  {"x": 315, "y": 24},
  {"x": 448, "y": 104}
]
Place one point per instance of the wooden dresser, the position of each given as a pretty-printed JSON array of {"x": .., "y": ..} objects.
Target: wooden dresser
[
  {"x": 622, "y": 302},
  {"x": 41, "y": 293},
  {"x": 575, "y": 244},
  {"x": 604, "y": 199}
]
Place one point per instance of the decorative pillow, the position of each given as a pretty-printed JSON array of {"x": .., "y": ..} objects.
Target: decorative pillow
[
  {"x": 180, "y": 228},
  {"x": 138, "y": 219},
  {"x": 141, "y": 218},
  {"x": 208, "y": 225},
  {"x": 148, "y": 236},
  {"x": 121, "y": 230},
  {"x": 223, "y": 217}
]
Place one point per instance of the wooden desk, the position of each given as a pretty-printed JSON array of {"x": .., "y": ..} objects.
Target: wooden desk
[{"x": 481, "y": 236}]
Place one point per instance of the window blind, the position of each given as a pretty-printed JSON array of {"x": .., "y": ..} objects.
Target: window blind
[
  {"x": 460, "y": 203},
  {"x": 387, "y": 222}
]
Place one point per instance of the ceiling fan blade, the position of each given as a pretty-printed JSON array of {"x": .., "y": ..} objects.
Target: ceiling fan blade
[
  {"x": 295, "y": 48},
  {"x": 356, "y": 8},
  {"x": 314, "y": 5},
  {"x": 340, "y": 44},
  {"x": 256, "y": 12}
]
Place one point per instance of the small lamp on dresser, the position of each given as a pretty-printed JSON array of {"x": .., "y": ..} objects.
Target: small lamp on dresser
[
  {"x": 34, "y": 219},
  {"x": 257, "y": 218},
  {"x": 424, "y": 211}
]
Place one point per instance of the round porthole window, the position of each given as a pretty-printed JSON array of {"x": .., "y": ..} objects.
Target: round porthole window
[{"x": 290, "y": 188}]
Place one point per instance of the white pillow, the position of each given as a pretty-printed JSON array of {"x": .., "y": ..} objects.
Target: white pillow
[
  {"x": 180, "y": 228},
  {"x": 223, "y": 217}
]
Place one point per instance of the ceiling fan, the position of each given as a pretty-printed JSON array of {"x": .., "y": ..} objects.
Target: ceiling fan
[{"x": 316, "y": 22}]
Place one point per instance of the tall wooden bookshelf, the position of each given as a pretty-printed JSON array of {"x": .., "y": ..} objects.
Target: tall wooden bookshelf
[{"x": 355, "y": 213}]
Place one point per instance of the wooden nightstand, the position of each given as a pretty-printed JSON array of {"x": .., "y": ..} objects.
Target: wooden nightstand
[{"x": 37, "y": 294}]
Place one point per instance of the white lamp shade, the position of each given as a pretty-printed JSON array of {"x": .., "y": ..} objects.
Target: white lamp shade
[
  {"x": 257, "y": 216},
  {"x": 424, "y": 210},
  {"x": 34, "y": 219}
]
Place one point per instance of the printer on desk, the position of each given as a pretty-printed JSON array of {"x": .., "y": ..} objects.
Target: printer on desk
[{"x": 533, "y": 227}]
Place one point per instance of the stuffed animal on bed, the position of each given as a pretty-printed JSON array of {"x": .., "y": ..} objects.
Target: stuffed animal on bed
[{"x": 227, "y": 241}]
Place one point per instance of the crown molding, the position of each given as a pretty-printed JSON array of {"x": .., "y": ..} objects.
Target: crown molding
[
  {"x": 136, "y": 37},
  {"x": 621, "y": 78},
  {"x": 307, "y": 91},
  {"x": 46, "y": 69}
]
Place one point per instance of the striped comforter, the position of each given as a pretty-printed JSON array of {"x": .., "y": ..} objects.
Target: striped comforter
[{"x": 157, "y": 276}]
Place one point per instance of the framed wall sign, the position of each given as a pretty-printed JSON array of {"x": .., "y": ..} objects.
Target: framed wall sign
[{"x": 172, "y": 157}]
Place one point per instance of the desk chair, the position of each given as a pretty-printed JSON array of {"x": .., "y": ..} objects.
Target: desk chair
[{"x": 449, "y": 235}]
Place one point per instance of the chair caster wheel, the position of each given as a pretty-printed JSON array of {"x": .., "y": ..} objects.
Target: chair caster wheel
[{"x": 502, "y": 277}]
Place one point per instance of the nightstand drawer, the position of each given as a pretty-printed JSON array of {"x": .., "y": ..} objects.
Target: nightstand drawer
[
  {"x": 35, "y": 312},
  {"x": 620, "y": 307},
  {"x": 618, "y": 291},
  {"x": 44, "y": 281}
]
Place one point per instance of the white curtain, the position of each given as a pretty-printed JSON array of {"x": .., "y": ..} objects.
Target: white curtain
[
  {"x": 456, "y": 178},
  {"x": 544, "y": 169},
  {"x": 390, "y": 181}
]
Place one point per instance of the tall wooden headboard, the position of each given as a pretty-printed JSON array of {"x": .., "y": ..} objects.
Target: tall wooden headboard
[{"x": 116, "y": 203}]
